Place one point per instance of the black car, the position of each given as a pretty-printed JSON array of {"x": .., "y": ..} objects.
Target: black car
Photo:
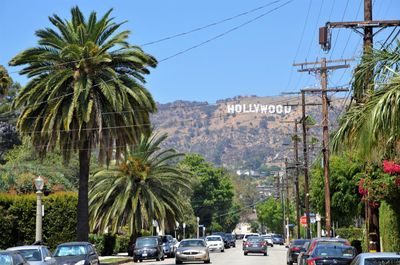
[
  {"x": 231, "y": 240},
  {"x": 76, "y": 253},
  {"x": 223, "y": 235},
  {"x": 331, "y": 255},
  {"x": 168, "y": 246},
  {"x": 148, "y": 247},
  {"x": 295, "y": 247},
  {"x": 11, "y": 257}
]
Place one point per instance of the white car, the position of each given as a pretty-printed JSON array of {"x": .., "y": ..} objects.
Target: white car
[
  {"x": 36, "y": 255},
  {"x": 268, "y": 239},
  {"x": 215, "y": 242}
]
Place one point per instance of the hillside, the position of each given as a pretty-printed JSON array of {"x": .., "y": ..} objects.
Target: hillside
[{"x": 242, "y": 132}]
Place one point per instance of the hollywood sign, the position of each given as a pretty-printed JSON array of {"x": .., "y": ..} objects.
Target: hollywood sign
[{"x": 258, "y": 108}]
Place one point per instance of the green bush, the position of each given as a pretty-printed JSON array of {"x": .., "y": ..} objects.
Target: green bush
[
  {"x": 389, "y": 226},
  {"x": 121, "y": 244},
  {"x": 18, "y": 219}
]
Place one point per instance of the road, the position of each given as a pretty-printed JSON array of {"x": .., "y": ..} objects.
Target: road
[{"x": 234, "y": 256}]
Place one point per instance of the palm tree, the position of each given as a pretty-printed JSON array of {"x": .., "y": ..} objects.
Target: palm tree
[
  {"x": 373, "y": 127},
  {"x": 5, "y": 81},
  {"x": 147, "y": 186},
  {"x": 85, "y": 91}
]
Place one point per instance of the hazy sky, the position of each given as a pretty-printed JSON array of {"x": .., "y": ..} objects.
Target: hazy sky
[{"x": 254, "y": 59}]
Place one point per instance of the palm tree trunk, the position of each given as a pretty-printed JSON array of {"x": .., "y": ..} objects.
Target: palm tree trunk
[{"x": 82, "y": 228}]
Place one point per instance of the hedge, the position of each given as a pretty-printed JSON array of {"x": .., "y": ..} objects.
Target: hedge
[
  {"x": 18, "y": 219},
  {"x": 389, "y": 226}
]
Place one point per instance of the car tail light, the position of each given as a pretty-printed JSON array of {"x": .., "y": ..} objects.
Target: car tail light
[
  {"x": 312, "y": 261},
  {"x": 264, "y": 244},
  {"x": 295, "y": 249},
  {"x": 247, "y": 244}
]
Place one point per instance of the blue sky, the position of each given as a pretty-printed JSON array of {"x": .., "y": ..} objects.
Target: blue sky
[{"x": 253, "y": 60}]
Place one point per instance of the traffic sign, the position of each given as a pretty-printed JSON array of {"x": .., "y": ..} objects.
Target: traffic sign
[{"x": 303, "y": 220}]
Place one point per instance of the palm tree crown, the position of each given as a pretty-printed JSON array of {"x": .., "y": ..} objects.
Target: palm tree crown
[{"x": 146, "y": 186}]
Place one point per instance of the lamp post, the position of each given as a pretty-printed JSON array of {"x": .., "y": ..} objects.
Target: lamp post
[
  {"x": 39, "y": 183},
  {"x": 198, "y": 221}
]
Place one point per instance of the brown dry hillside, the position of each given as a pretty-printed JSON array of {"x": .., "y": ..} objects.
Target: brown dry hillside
[{"x": 238, "y": 140}]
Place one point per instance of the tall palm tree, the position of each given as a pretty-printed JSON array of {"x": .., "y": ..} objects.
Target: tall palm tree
[
  {"x": 5, "y": 81},
  {"x": 148, "y": 185},
  {"x": 85, "y": 91}
]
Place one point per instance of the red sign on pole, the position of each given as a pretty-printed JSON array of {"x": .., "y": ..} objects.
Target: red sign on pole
[{"x": 303, "y": 220}]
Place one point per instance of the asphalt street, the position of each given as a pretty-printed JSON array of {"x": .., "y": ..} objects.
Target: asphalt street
[{"x": 234, "y": 256}]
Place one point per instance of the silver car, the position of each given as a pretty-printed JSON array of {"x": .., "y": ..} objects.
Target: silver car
[
  {"x": 377, "y": 258},
  {"x": 36, "y": 255},
  {"x": 192, "y": 250}
]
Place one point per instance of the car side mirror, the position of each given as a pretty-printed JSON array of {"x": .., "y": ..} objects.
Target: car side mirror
[{"x": 47, "y": 258}]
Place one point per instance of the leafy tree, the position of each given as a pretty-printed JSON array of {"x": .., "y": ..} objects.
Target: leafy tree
[
  {"x": 5, "y": 81},
  {"x": 345, "y": 200},
  {"x": 270, "y": 214},
  {"x": 85, "y": 91},
  {"x": 213, "y": 193},
  {"x": 146, "y": 186}
]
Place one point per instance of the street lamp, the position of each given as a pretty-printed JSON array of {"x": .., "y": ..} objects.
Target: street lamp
[
  {"x": 39, "y": 183},
  {"x": 198, "y": 220}
]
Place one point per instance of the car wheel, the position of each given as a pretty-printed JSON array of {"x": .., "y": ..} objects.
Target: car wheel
[
  {"x": 207, "y": 261},
  {"x": 141, "y": 260},
  {"x": 245, "y": 253},
  {"x": 234, "y": 245},
  {"x": 290, "y": 263},
  {"x": 157, "y": 259},
  {"x": 178, "y": 262},
  {"x": 162, "y": 258},
  {"x": 265, "y": 254},
  {"x": 135, "y": 260},
  {"x": 222, "y": 250}
]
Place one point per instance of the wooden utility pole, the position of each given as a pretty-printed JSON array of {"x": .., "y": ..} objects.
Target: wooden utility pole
[
  {"x": 305, "y": 163},
  {"x": 367, "y": 25},
  {"x": 287, "y": 202},
  {"x": 323, "y": 71},
  {"x": 296, "y": 178}
]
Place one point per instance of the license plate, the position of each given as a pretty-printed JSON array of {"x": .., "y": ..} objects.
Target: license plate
[
  {"x": 255, "y": 245},
  {"x": 144, "y": 255},
  {"x": 190, "y": 257}
]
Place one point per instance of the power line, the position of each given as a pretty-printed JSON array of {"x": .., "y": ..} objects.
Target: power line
[{"x": 209, "y": 25}]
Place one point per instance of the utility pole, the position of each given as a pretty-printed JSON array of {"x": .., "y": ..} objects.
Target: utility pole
[
  {"x": 287, "y": 203},
  {"x": 323, "y": 71},
  {"x": 305, "y": 164},
  {"x": 367, "y": 25},
  {"x": 296, "y": 178}
]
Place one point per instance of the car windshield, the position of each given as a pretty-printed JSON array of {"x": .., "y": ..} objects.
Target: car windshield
[
  {"x": 213, "y": 238},
  {"x": 299, "y": 242},
  {"x": 334, "y": 251},
  {"x": 75, "y": 250},
  {"x": 30, "y": 254},
  {"x": 146, "y": 242},
  {"x": 5, "y": 259},
  {"x": 255, "y": 239},
  {"x": 382, "y": 261},
  {"x": 192, "y": 243}
]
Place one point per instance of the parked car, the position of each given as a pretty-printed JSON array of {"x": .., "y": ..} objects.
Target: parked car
[
  {"x": 320, "y": 241},
  {"x": 223, "y": 235},
  {"x": 255, "y": 244},
  {"x": 268, "y": 239},
  {"x": 295, "y": 247},
  {"x": 246, "y": 237},
  {"x": 215, "y": 242},
  {"x": 11, "y": 257},
  {"x": 36, "y": 255},
  {"x": 168, "y": 246},
  {"x": 277, "y": 239},
  {"x": 377, "y": 258},
  {"x": 192, "y": 250},
  {"x": 231, "y": 240},
  {"x": 148, "y": 247},
  {"x": 76, "y": 253},
  {"x": 327, "y": 254}
]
